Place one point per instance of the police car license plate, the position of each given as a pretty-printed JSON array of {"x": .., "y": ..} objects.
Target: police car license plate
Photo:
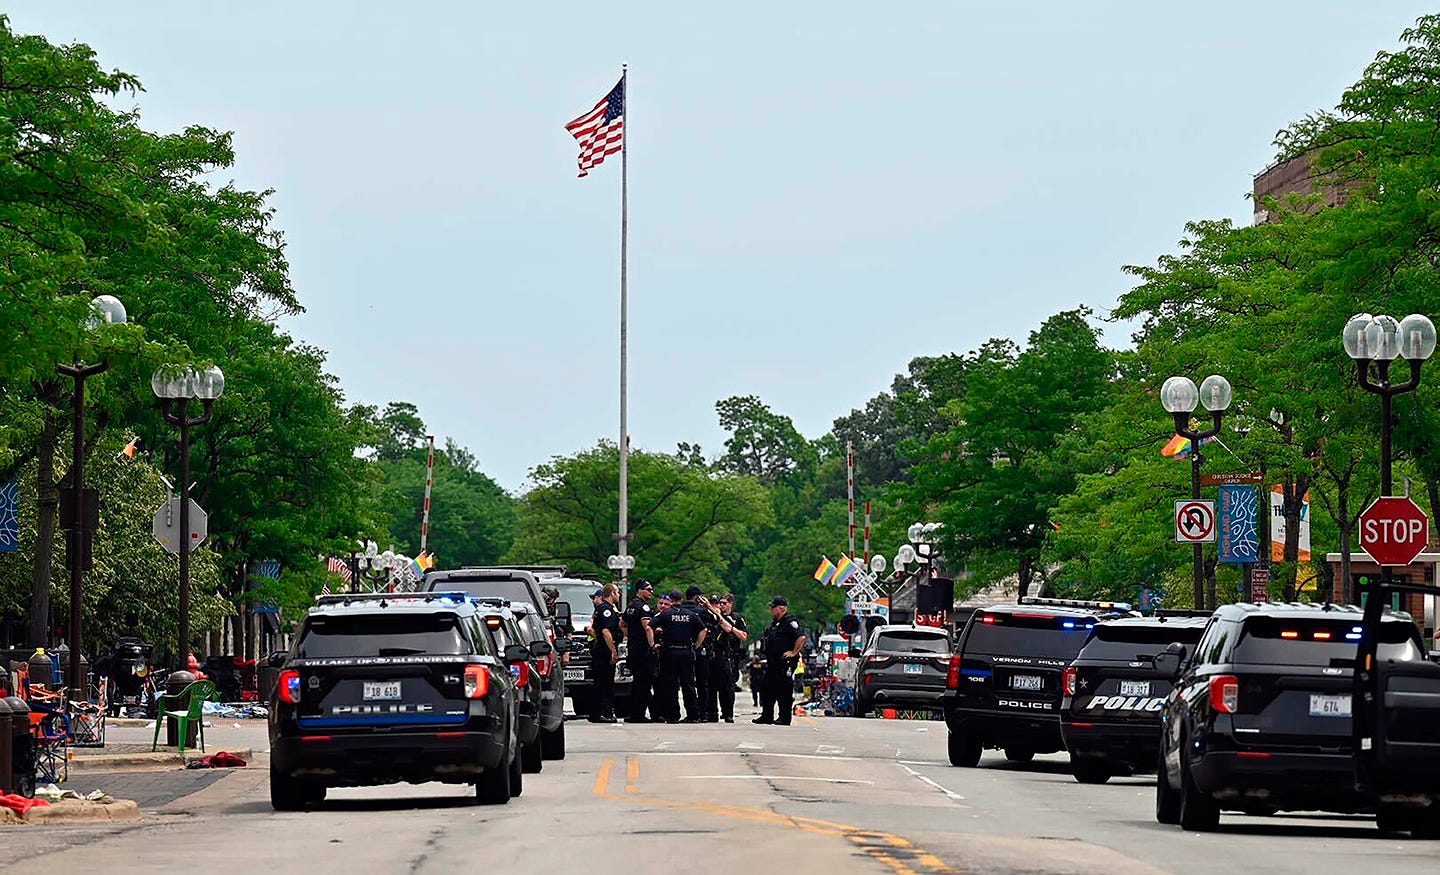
[
  {"x": 1134, "y": 688},
  {"x": 574, "y": 674},
  {"x": 914, "y": 668},
  {"x": 1026, "y": 682},
  {"x": 380, "y": 691},
  {"x": 1329, "y": 706}
]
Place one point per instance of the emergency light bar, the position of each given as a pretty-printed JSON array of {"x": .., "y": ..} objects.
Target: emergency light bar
[
  {"x": 1123, "y": 607},
  {"x": 347, "y": 598}
]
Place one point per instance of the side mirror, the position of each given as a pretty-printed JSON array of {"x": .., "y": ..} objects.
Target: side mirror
[
  {"x": 277, "y": 659},
  {"x": 541, "y": 648},
  {"x": 562, "y": 611},
  {"x": 1167, "y": 663},
  {"x": 855, "y": 652},
  {"x": 563, "y": 645},
  {"x": 516, "y": 653}
]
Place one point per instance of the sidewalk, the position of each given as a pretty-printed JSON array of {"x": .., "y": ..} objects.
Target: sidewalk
[{"x": 128, "y": 746}]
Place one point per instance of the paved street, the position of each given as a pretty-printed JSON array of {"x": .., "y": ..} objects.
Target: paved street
[{"x": 828, "y": 793}]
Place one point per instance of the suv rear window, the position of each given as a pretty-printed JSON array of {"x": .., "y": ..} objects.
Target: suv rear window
[
  {"x": 912, "y": 642},
  {"x": 1027, "y": 634},
  {"x": 514, "y": 590},
  {"x": 1305, "y": 641},
  {"x": 1137, "y": 642},
  {"x": 381, "y": 635}
]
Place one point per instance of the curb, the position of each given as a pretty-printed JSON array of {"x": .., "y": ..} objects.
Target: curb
[
  {"x": 76, "y": 811},
  {"x": 157, "y": 761}
]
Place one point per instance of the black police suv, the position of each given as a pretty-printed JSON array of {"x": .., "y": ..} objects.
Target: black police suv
[
  {"x": 904, "y": 667},
  {"x": 1110, "y": 714},
  {"x": 385, "y": 688},
  {"x": 552, "y": 678},
  {"x": 1260, "y": 719},
  {"x": 1002, "y": 688},
  {"x": 505, "y": 632}
]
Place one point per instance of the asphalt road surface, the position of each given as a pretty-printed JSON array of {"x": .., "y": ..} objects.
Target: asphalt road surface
[{"x": 824, "y": 794}]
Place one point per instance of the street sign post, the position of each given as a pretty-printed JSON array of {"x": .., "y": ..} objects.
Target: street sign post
[
  {"x": 165, "y": 525},
  {"x": 1194, "y": 521},
  {"x": 1260, "y": 583},
  {"x": 1394, "y": 530}
]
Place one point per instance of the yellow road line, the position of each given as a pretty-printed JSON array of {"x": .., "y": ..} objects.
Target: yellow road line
[{"x": 879, "y": 846}]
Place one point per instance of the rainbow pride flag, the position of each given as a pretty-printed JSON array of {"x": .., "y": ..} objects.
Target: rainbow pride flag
[
  {"x": 844, "y": 570},
  {"x": 826, "y": 571},
  {"x": 1179, "y": 447}
]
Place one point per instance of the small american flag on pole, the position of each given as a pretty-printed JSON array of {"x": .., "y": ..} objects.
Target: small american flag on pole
[
  {"x": 340, "y": 567},
  {"x": 601, "y": 131}
]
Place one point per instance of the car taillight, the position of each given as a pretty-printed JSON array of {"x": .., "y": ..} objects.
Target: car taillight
[
  {"x": 1225, "y": 693},
  {"x": 521, "y": 670},
  {"x": 289, "y": 686},
  {"x": 1067, "y": 681},
  {"x": 952, "y": 676},
  {"x": 477, "y": 682},
  {"x": 543, "y": 665}
]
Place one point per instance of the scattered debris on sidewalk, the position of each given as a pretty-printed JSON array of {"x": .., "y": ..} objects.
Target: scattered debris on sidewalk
[
  {"x": 222, "y": 760},
  {"x": 237, "y": 710}
]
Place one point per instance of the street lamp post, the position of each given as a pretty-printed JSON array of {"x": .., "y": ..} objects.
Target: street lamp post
[
  {"x": 373, "y": 567},
  {"x": 104, "y": 309},
  {"x": 1379, "y": 340},
  {"x": 176, "y": 388},
  {"x": 1179, "y": 396}
]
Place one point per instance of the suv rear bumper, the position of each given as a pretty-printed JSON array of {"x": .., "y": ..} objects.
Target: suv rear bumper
[
  {"x": 1039, "y": 732},
  {"x": 364, "y": 759},
  {"x": 882, "y": 693},
  {"x": 1135, "y": 744},
  {"x": 1317, "y": 781}
]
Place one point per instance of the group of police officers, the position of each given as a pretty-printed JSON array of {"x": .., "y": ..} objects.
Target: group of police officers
[{"x": 688, "y": 649}]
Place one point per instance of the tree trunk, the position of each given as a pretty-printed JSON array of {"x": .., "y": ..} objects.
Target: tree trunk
[
  {"x": 1294, "y": 497},
  {"x": 1027, "y": 573},
  {"x": 47, "y": 508}
]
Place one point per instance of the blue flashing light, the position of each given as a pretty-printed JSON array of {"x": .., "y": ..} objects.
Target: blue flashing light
[
  {"x": 1068, "y": 625},
  {"x": 1352, "y": 636}
]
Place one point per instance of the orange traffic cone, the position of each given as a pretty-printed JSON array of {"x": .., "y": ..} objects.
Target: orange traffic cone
[{"x": 889, "y": 713}]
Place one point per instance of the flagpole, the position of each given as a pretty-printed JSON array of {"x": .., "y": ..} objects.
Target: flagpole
[{"x": 624, "y": 537}]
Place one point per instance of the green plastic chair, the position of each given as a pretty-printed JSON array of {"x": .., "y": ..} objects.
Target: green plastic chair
[{"x": 185, "y": 706}]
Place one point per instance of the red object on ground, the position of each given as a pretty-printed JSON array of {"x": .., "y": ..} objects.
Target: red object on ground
[
  {"x": 222, "y": 760},
  {"x": 21, "y": 804}
]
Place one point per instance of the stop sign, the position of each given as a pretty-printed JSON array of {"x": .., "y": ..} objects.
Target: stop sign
[{"x": 1394, "y": 531}]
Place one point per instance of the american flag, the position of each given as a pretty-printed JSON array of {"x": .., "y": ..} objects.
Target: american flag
[
  {"x": 340, "y": 567},
  {"x": 601, "y": 131}
]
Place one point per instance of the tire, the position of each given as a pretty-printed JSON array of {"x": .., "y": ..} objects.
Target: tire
[
  {"x": 1090, "y": 770},
  {"x": 532, "y": 757},
  {"x": 493, "y": 787},
  {"x": 1167, "y": 800},
  {"x": 552, "y": 744},
  {"x": 286, "y": 793},
  {"x": 517, "y": 774},
  {"x": 1199, "y": 812},
  {"x": 315, "y": 793},
  {"x": 964, "y": 751},
  {"x": 1019, "y": 754},
  {"x": 1425, "y": 824},
  {"x": 1393, "y": 820},
  {"x": 862, "y": 707},
  {"x": 581, "y": 703}
]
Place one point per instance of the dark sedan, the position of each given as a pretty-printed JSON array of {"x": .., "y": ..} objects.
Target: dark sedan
[{"x": 902, "y": 667}]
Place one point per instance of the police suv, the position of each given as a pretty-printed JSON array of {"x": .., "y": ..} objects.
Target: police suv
[
  {"x": 1110, "y": 714},
  {"x": 1002, "y": 689},
  {"x": 383, "y": 688}
]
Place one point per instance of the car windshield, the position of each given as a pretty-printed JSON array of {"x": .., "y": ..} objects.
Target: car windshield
[
  {"x": 1323, "y": 642},
  {"x": 912, "y": 642},
  {"x": 1132, "y": 642},
  {"x": 577, "y": 596},
  {"x": 514, "y": 590},
  {"x": 1024, "y": 634},
  {"x": 381, "y": 635}
]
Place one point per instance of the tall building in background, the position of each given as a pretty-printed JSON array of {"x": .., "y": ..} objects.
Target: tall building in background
[{"x": 1293, "y": 176}]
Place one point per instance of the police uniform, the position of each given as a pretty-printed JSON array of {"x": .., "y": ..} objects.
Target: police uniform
[
  {"x": 724, "y": 657},
  {"x": 602, "y": 666},
  {"x": 640, "y": 658},
  {"x": 777, "y": 695},
  {"x": 679, "y": 629},
  {"x": 703, "y": 652}
]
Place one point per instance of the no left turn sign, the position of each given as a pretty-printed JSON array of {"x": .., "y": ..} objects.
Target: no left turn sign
[{"x": 1194, "y": 521}]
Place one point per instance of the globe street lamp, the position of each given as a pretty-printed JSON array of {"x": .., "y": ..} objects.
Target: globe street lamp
[
  {"x": 1379, "y": 340},
  {"x": 82, "y": 516},
  {"x": 176, "y": 387},
  {"x": 372, "y": 566},
  {"x": 1179, "y": 395}
]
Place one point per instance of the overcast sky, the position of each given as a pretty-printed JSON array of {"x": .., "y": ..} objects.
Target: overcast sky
[{"x": 819, "y": 192}]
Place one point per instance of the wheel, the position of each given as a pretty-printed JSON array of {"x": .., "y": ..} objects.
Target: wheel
[
  {"x": 862, "y": 707},
  {"x": 1425, "y": 823},
  {"x": 1019, "y": 754},
  {"x": 1199, "y": 812},
  {"x": 314, "y": 793},
  {"x": 552, "y": 744},
  {"x": 517, "y": 774},
  {"x": 1167, "y": 801},
  {"x": 286, "y": 793},
  {"x": 964, "y": 751},
  {"x": 581, "y": 703},
  {"x": 532, "y": 758},
  {"x": 1090, "y": 770},
  {"x": 493, "y": 787}
]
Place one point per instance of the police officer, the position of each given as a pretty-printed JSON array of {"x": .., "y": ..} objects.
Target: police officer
[
  {"x": 680, "y": 630},
  {"x": 641, "y": 654},
  {"x": 729, "y": 649},
  {"x": 783, "y": 641},
  {"x": 700, "y": 607},
  {"x": 605, "y": 652}
]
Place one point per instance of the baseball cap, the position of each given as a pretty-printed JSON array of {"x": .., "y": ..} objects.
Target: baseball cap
[
  {"x": 644, "y": 584},
  {"x": 597, "y": 593},
  {"x": 779, "y": 602},
  {"x": 693, "y": 591},
  {"x": 674, "y": 595}
]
